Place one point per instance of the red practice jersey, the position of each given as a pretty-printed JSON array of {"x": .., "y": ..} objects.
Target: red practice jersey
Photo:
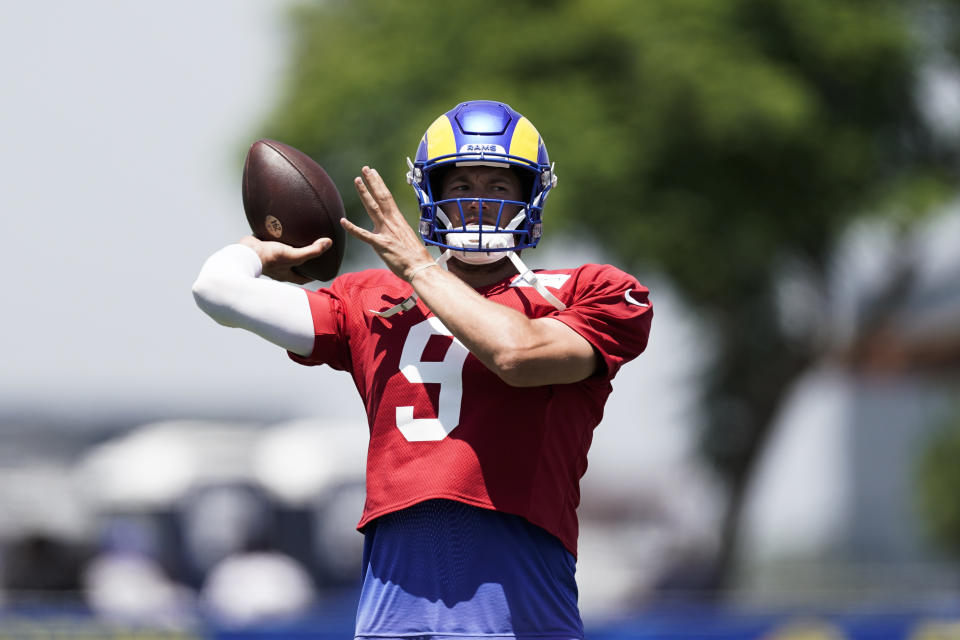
[{"x": 442, "y": 425}]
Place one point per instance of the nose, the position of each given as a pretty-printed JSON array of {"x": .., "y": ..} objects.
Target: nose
[{"x": 469, "y": 207}]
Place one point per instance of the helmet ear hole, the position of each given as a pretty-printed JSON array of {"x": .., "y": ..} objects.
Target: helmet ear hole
[
  {"x": 527, "y": 179},
  {"x": 436, "y": 180}
]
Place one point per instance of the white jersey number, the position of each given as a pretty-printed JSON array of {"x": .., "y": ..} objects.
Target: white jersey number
[{"x": 447, "y": 372}]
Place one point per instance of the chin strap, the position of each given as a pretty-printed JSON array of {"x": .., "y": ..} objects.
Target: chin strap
[
  {"x": 526, "y": 275},
  {"x": 407, "y": 304},
  {"x": 411, "y": 301}
]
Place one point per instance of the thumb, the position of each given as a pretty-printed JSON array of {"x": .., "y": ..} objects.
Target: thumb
[
  {"x": 318, "y": 246},
  {"x": 322, "y": 244}
]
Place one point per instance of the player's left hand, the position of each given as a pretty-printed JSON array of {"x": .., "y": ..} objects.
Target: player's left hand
[{"x": 397, "y": 244}]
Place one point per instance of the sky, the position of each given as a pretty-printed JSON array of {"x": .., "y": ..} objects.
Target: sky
[{"x": 124, "y": 128}]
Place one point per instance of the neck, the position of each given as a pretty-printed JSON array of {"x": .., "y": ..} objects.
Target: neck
[{"x": 481, "y": 275}]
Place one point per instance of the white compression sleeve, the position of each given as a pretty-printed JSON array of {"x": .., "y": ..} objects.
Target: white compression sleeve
[{"x": 229, "y": 290}]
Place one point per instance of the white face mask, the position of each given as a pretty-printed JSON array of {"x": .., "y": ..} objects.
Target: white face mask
[{"x": 471, "y": 239}]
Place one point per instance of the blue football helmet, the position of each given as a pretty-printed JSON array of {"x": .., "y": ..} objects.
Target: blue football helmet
[{"x": 481, "y": 132}]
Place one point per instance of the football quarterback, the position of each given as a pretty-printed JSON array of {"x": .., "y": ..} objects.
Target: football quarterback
[{"x": 481, "y": 385}]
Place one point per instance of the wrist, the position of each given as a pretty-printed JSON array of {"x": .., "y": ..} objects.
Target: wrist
[
  {"x": 417, "y": 269},
  {"x": 253, "y": 244}
]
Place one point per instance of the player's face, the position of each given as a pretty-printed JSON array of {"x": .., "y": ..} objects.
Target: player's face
[{"x": 480, "y": 182}]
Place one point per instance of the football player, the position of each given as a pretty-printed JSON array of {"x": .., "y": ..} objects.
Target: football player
[{"x": 482, "y": 380}]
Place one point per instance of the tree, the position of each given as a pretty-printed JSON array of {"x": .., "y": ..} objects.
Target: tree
[
  {"x": 938, "y": 484},
  {"x": 725, "y": 144}
]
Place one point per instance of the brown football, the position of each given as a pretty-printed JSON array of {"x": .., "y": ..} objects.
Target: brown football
[{"x": 289, "y": 198}]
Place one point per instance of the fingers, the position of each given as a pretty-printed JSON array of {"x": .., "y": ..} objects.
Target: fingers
[
  {"x": 376, "y": 185},
  {"x": 287, "y": 252},
  {"x": 357, "y": 232},
  {"x": 373, "y": 209},
  {"x": 374, "y": 195},
  {"x": 319, "y": 246},
  {"x": 279, "y": 260},
  {"x": 277, "y": 255},
  {"x": 286, "y": 259}
]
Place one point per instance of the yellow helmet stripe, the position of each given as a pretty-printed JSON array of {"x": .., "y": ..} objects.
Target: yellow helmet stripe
[
  {"x": 526, "y": 141},
  {"x": 440, "y": 140}
]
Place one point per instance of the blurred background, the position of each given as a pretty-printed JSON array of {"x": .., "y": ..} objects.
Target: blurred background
[{"x": 782, "y": 462}]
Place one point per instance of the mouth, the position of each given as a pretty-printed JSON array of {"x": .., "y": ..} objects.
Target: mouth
[
  {"x": 476, "y": 220},
  {"x": 484, "y": 215}
]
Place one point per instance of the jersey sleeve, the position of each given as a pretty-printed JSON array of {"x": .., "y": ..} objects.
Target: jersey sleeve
[
  {"x": 612, "y": 311},
  {"x": 330, "y": 341}
]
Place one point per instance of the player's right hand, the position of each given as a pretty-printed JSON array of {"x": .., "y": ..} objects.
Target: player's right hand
[{"x": 278, "y": 259}]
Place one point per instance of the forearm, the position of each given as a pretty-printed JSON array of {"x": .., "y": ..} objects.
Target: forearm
[
  {"x": 520, "y": 350},
  {"x": 229, "y": 290}
]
